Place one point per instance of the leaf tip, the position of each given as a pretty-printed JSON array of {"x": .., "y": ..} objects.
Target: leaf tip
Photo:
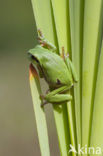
[{"x": 32, "y": 72}]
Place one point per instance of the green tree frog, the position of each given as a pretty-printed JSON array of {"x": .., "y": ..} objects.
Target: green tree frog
[{"x": 59, "y": 72}]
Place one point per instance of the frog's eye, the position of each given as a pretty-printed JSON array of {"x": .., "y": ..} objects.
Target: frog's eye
[
  {"x": 34, "y": 58},
  {"x": 58, "y": 82}
]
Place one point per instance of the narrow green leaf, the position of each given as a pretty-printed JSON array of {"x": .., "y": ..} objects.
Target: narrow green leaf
[
  {"x": 61, "y": 16},
  {"x": 97, "y": 124},
  {"x": 44, "y": 19},
  {"x": 71, "y": 13},
  {"x": 76, "y": 26},
  {"x": 92, "y": 29},
  {"x": 60, "y": 114},
  {"x": 39, "y": 112},
  {"x": 71, "y": 118}
]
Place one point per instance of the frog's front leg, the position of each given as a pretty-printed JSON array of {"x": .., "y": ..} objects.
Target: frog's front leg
[
  {"x": 56, "y": 96},
  {"x": 69, "y": 64},
  {"x": 45, "y": 43},
  {"x": 72, "y": 68}
]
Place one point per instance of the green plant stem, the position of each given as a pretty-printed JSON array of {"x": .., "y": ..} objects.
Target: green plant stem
[
  {"x": 44, "y": 21},
  {"x": 76, "y": 25},
  {"x": 61, "y": 16},
  {"x": 97, "y": 124},
  {"x": 39, "y": 112},
  {"x": 92, "y": 29}
]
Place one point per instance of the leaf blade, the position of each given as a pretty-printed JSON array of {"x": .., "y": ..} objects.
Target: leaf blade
[
  {"x": 97, "y": 124},
  {"x": 92, "y": 28},
  {"x": 76, "y": 25},
  {"x": 39, "y": 112},
  {"x": 60, "y": 116},
  {"x": 61, "y": 16},
  {"x": 44, "y": 19}
]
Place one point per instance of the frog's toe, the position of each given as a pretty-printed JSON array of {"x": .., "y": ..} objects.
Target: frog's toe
[
  {"x": 42, "y": 97},
  {"x": 44, "y": 103}
]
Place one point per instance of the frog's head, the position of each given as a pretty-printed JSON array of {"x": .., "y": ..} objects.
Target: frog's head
[
  {"x": 36, "y": 63},
  {"x": 35, "y": 55}
]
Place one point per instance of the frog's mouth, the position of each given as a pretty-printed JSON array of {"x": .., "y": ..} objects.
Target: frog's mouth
[
  {"x": 35, "y": 62},
  {"x": 33, "y": 59}
]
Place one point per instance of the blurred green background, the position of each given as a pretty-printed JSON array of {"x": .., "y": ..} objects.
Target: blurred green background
[{"x": 18, "y": 135}]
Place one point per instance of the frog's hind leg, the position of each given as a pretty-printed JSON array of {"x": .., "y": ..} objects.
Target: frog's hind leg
[
  {"x": 58, "y": 90},
  {"x": 58, "y": 98}
]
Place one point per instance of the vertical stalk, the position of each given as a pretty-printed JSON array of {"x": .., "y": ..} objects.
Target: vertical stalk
[
  {"x": 44, "y": 20},
  {"x": 39, "y": 112},
  {"x": 97, "y": 125},
  {"x": 76, "y": 25},
  {"x": 77, "y": 60},
  {"x": 92, "y": 26},
  {"x": 61, "y": 16}
]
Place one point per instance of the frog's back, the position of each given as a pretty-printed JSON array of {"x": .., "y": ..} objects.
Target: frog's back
[{"x": 54, "y": 68}]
